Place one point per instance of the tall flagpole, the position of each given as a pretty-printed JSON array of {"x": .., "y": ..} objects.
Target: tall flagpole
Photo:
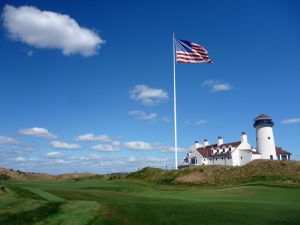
[{"x": 175, "y": 118}]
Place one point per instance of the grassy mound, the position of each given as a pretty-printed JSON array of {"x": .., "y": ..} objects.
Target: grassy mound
[
  {"x": 6, "y": 174},
  {"x": 267, "y": 171}
]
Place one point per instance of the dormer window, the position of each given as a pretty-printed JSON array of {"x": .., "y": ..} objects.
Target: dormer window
[{"x": 223, "y": 149}]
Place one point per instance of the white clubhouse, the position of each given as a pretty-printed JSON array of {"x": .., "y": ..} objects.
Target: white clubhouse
[{"x": 238, "y": 153}]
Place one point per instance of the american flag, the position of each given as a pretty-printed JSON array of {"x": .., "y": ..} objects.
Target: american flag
[{"x": 189, "y": 52}]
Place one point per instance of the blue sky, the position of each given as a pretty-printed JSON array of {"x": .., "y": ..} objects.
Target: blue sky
[{"x": 89, "y": 88}]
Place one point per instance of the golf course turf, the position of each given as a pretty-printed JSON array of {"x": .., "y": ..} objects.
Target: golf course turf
[{"x": 127, "y": 201}]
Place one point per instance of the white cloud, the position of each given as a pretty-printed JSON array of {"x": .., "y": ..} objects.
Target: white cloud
[
  {"x": 54, "y": 155},
  {"x": 91, "y": 157},
  {"x": 147, "y": 95},
  {"x": 149, "y": 159},
  {"x": 20, "y": 159},
  {"x": 37, "y": 132},
  {"x": 112, "y": 147},
  {"x": 30, "y": 53},
  {"x": 157, "y": 159},
  {"x": 8, "y": 141},
  {"x": 290, "y": 121},
  {"x": 166, "y": 119},
  {"x": 62, "y": 161},
  {"x": 92, "y": 137},
  {"x": 146, "y": 146},
  {"x": 216, "y": 86},
  {"x": 165, "y": 148},
  {"x": 46, "y": 29},
  {"x": 63, "y": 145},
  {"x": 138, "y": 145},
  {"x": 140, "y": 115},
  {"x": 29, "y": 147},
  {"x": 131, "y": 159},
  {"x": 201, "y": 122}
]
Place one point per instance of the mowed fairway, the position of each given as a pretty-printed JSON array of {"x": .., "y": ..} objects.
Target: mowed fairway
[{"x": 128, "y": 202}]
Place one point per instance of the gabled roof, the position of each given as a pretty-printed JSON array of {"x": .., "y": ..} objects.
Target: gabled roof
[
  {"x": 206, "y": 151},
  {"x": 262, "y": 116},
  {"x": 280, "y": 151}
]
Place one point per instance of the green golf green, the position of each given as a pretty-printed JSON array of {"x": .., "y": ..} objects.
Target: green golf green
[{"x": 126, "y": 201}]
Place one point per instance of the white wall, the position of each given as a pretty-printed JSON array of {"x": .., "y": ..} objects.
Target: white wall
[
  {"x": 220, "y": 141},
  {"x": 255, "y": 156},
  {"x": 205, "y": 143},
  {"x": 265, "y": 146},
  {"x": 220, "y": 161},
  {"x": 235, "y": 154},
  {"x": 245, "y": 157},
  {"x": 198, "y": 156},
  {"x": 244, "y": 145}
]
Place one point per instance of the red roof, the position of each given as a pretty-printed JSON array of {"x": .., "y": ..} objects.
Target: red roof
[
  {"x": 262, "y": 116},
  {"x": 206, "y": 151},
  {"x": 279, "y": 150}
]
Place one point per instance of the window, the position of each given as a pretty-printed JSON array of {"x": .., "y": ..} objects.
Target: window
[
  {"x": 241, "y": 157},
  {"x": 271, "y": 157},
  {"x": 222, "y": 158},
  {"x": 204, "y": 159},
  {"x": 223, "y": 149},
  {"x": 216, "y": 159},
  {"x": 218, "y": 151},
  {"x": 212, "y": 151},
  {"x": 228, "y": 157},
  {"x": 230, "y": 149},
  {"x": 269, "y": 138},
  {"x": 194, "y": 161}
]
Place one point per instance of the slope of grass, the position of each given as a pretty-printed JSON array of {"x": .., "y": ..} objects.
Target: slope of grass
[
  {"x": 25, "y": 206},
  {"x": 261, "y": 171}
]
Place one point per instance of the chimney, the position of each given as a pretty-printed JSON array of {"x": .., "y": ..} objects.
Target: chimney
[
  {"x": 220, "y": 141},
  {"x": 197, "y": 145},
  {"x": 205, "y": 142},
  {"x": 244, "y": 138}
]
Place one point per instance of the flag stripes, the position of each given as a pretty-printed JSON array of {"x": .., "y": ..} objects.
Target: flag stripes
[{"x": 189, "y": 52}]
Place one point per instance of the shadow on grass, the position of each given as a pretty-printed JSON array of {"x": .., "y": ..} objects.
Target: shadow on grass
[
  {"x": 30, "y": 217},
  {"x": 23, "y": 193}
]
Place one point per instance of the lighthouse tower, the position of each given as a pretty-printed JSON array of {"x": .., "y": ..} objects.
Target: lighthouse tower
[{"x": 265, "y": 143}]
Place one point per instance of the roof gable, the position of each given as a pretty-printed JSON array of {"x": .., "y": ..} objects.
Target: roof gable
[{"x": 206, "y": 151}]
